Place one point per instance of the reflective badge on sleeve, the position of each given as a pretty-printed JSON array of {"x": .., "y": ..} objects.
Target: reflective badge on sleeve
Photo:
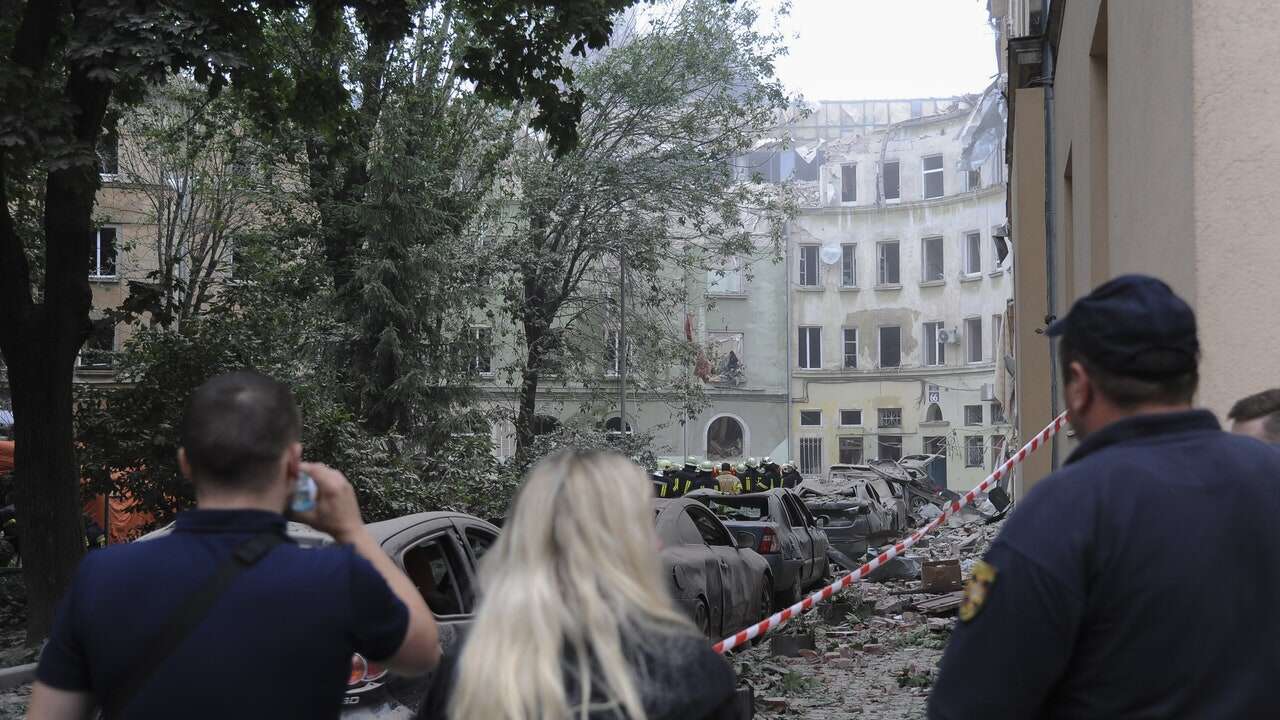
[{"x": 975, "y": 591}]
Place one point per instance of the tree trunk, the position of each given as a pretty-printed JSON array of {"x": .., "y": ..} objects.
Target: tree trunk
[{"x": 525, "y": 418}]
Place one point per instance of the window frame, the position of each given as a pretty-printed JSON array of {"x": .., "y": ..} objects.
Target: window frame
[
  {"x": 446, "y": 537},
  {"x": 803, "y": 424},
  {"x": 969, "y": 175},
  {"x": 887, "y": 412},
  {"x": 851, "y": 185},
  {"x": 95, "y": 273},
  {"x": 860, "y": 440},
  {"x": 804, "y": 346},
  {"x": 968, "y": 254},
  {"x": 880, "y": 346},
  {"x": 981, "y": 416},
  {"x": 880, "y": 445},
  {"x": 940, "y": 171},
  {"x": 939, "y": 347},
  {"x": 940, "y": 243},
  {"x": 844, "y": 348},
  {"x": 801, "y": 275},
  {"x": 108, "y": 354},
  {"x": 884, "y": 184},
  {"x": 613, "y": 338},
  {"x": 814, "y": 446},
  {"x": 476, "y": 334},
  {"x": 882, "y": 266},
  {"x": 840, "y": 417},
  {"x": 849, "y": 265},
  {"x": 969, "y": 449},
  {"x": 971, "y": 343},
  {"x": 726, "y": 538},
  {"x": 717, "y": 283}
]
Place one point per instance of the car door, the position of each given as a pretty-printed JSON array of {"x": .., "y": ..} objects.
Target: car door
[
  {"x": 477, "y": 538},
  {"x": 797, "y": 543},
  {"x": 819, "y": 537},
  {"x": 693, "y": 559},
  {"x": 736, "y": 588},
  {"x": 436, "y": 561}
]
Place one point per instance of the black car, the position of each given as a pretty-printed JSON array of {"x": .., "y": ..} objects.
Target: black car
[
  {"x": 715, "y": 577},
  {"x": 439, "y": 552}
]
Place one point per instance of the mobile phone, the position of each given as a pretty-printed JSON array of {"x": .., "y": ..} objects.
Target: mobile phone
[{"x": 304, "y": 494}]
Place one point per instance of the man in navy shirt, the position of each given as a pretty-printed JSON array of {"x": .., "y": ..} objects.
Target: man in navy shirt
[
  {"x": 278, "y": 641},
  {"x": 1142, "y": 579}
]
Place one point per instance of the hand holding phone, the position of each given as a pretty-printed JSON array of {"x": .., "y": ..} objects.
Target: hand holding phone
[{"x": 304, "y": 494}]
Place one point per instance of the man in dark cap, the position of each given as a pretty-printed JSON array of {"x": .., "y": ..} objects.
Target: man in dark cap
[{"x": 1141, "y": 579}]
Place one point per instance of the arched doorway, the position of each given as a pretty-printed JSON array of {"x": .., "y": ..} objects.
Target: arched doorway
[
  {"x": 933, "y": 414},
  {"x": 726, "y": 438}
]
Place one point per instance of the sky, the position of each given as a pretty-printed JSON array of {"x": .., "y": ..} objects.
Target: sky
[{"x": 870, "y": 49}]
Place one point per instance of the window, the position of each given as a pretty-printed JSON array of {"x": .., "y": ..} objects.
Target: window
[
  {"x": 889, "y": 447},
  {"x": 932, "y": 176},
  {"x": 482, "y": 347},
  {"x": 972, "y": 414},
  {"x": 102, "y": 255},
  {"x": 726, "y": 439},
  {"x": 611, "y": 355},
  {"x": 613, "y": 426},
  {"x": 848, "y": 266},
  {"x": 99, "y": 348},
  {"x": 1001, "y": 249},
  {"x": 997, "y": 450},
  {"x": 973, "y": 339},
  {"x": 810, "y": 418},
  {"x": 933, "y": 414},
  {"x": 889, "y": 417},
  {"x": 850, "y": 418},
  {"x": 851, "y": 347},
  {"x": 973, "y": 253},
  {"x": 997, "y": 413},
  {"x": 997, "y": 328},
  {"x": 810, "y": 347},
  {"x": 892, "y": 188},
  {"x": 973, "y": 451},
  {"x": 851, "y": 450},
  {"x": 811, "y": 456},
  {"x": 973, "y": 179},
  {"x": 711, "y": 530},
  {"x": 933, "y": 260},
  {"x": 848, "y": 182},
  {"x": 434, "y": 569},
  {"x": 480, "y": 542},
  {"x": 890, "y": 346},
  {"x": 109, "y": 153},
  {"x": 808, "y": 266},
  {"x": 726, "y": 279},
  {"x": 887, "y": 263},
  {"x": 935, "y": 351}
]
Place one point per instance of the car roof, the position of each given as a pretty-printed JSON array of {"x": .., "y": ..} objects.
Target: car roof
[{"x": 386, "y": 528}]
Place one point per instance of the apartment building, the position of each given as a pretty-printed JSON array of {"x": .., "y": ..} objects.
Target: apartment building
[
  {"x": 1137, "y": 143},
  {"x": 900, "y": 279}
]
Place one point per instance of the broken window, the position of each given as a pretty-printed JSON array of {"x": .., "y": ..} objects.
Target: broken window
[
  {"x": 102, "y": 254},
  {"x": 972, "y": 414},
  {"x": 851, "y": 347},
  {"x": 933, "y": 259},
  {"x": 726, "y": 439},
  {"x": 997, "y": 450},
  {"x": 613, "y": 426},
  {"x": 850, "y": 418},
  {"x": 973, "y": 451},
  {"x": 973, "y": 339},
  {"x": 887, "y": 262},
  {"x": 808, "y": 266},
  {"x": 932, "y": 176},
  {"x": 935, "y": 350},
  {"x": 997, "y": 413},
  {"x": 890, "y": 346},
  {"x": 810, "y": 347},
  {"x": 811, "y": 456},
  {"x": 851, "y": 450},
  {"x": 973, "y": 179},
  {"x": 482, "y": 350},
  {"x": 997, "y": 327},
  {"x": 1001, "y": 249},
  {"x": 810, "y": 418},
  {"x": 848, "y": 265},
  {"x": 99, "y": 348},
  {"x": 973, "y": 253},
  {"x": 889, "y": 417},
  {"x": 933, "y": 414},
  {"x": 848, "y": 182},
  {"x": 889, "y": 447},
  {"x": 892, "y": 187}
]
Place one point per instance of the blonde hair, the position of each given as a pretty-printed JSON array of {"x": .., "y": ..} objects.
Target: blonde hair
[{"x": 575, "y": 570}]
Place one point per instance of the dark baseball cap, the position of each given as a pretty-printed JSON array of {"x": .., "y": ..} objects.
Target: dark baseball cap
[{"x": 1133, "y": 325}]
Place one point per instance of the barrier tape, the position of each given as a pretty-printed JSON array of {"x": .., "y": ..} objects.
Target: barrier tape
[{"x": 779, "y": 619}]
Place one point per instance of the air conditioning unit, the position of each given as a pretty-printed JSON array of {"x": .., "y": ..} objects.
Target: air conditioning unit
[
  {"x": 988, "y": 392},
  {"x": 950, "y": 337},
  {"x": 944, "y": 336}
]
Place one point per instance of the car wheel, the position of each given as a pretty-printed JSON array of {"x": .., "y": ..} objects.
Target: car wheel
[
  {"x": 791, "y": 595},
  {"x": 702, "y": 617}
]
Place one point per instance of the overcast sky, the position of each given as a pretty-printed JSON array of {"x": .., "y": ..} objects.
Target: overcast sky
[{"x": 862, "y": 49}]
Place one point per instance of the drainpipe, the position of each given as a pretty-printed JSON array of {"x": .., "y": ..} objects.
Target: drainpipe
[
  {"x": 1050, "y": 238},
  {"x": 786, "y": 361}
]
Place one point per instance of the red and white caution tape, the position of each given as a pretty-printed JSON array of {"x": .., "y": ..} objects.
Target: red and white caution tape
[{"x": 778, "y": 620}]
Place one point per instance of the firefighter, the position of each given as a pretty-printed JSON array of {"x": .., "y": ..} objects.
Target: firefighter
[
  {"x": 790, "y": 476},
  {"x": 771, "y": 472},
  {"x": 682, "y": 480},
  {"x": 661, "y": 478},
  {"x": 752, "y": 480},
  {"x": 706, "y": 477}
]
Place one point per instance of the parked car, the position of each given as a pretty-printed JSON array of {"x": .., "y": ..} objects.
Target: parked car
[
  {"x": 785, "y": 532},
  {"x": 860, "y": 505},
  {"x": 439, "y": 552},
  {"x": 716, "y": 578}
]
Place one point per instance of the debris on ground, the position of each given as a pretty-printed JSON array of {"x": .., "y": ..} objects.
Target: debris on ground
[{"x": 878, "y": 660}]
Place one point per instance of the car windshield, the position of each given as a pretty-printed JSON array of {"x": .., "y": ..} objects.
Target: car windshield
[{"x": 740, "y": 508}]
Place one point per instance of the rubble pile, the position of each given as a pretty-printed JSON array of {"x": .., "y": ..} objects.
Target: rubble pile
[{"x": 876, "y": 647}]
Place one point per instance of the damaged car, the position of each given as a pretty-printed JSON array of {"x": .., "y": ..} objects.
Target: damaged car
[
  {"x": 716, "y": 578},
  {"x": 786, "y": 533}
]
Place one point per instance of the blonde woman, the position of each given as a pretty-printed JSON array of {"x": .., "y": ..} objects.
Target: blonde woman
[{"x": 575, "y": 620}]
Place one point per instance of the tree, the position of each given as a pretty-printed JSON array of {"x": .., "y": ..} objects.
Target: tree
[
  {"x": 64, "y": 64},
  {"x": 666, "y": 111}
]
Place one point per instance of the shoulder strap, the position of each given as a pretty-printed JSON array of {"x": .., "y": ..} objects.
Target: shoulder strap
[{"x": 187, "y": 617}]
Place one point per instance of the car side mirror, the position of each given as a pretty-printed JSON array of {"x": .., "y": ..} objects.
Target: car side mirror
[
  {"x": 745, "y": 540},
  {"x": 823, "y": 521}
]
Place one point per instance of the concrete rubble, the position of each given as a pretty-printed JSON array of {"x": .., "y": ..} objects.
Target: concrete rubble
[{"x": 879, "y": 660}]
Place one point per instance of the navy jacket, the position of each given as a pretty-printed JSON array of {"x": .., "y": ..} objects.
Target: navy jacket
[{"x": 1140, "y": 581}]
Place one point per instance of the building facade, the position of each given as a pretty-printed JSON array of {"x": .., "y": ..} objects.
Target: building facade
[
  {"x": 1135, "y": 146},
  {"x": 899, "y": 285}
]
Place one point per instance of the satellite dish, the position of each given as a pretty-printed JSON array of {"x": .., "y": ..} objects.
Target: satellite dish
[{"x": 830, "y": 254}]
